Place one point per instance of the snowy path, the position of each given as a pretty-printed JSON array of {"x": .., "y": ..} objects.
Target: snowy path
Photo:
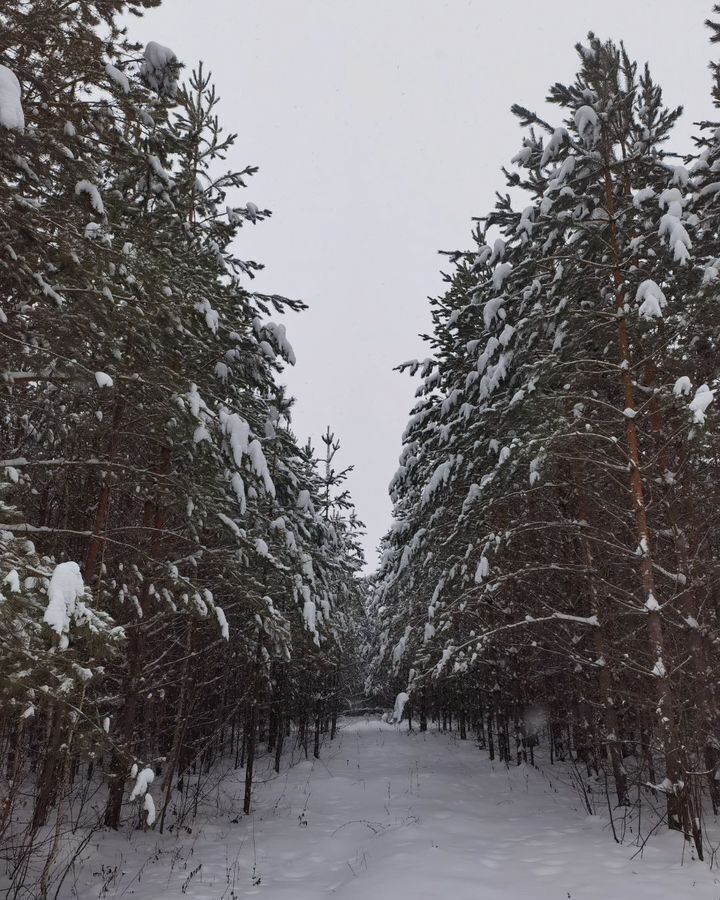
[{"x": 387, "y": 816}]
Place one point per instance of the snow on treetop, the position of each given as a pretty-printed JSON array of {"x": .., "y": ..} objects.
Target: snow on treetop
[
  {"x": 11, "y": 111},
  {"x": 587, "y": 53}
]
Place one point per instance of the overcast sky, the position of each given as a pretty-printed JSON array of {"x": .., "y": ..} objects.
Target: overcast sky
[{"x": 380, "y": 127}]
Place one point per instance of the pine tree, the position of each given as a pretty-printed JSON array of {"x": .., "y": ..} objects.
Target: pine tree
[
  {"x": 147, "y": 442},
  {"x": 563, "y": 354}
]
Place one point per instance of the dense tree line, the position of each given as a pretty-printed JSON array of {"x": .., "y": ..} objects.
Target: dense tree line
[
  {"x": 554, "y": 558},
  {"x": 179, "y": 577}
]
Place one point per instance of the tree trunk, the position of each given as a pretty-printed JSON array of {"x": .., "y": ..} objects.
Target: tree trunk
[
  {"x": 181, "y": 724},
  {"x": 96, "y": 543},
  {"x": 316, "y": 742},
  {"x": 681, "y": 814},
  {"x": 251, "y": 730}
]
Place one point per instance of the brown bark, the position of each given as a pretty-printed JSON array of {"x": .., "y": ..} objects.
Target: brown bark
[
  {"x": 681, "y": 814},
  {"x": 47, "y": 782},
  {"x": 96, "y": 543},
  {"x": 181, "y": 725}
]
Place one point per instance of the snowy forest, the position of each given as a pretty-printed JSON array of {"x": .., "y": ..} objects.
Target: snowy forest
[{"x": 190, "y": 630}]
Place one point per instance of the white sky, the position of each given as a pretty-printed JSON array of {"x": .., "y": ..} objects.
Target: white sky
[{"x": 380, "y": 127}]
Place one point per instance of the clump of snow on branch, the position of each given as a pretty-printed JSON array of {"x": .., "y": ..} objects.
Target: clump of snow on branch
[
  {"x": 160, "y": 68},
  {"x": 117, "y": 77},
  {"x": 261, "y": 548},
  {"x": 400, "y": 701},
  {"x": 140, "y": 791},
  {"x": 260, "y": 466},
  {"x": 223, "y": 622},
  {"x": 103, "y": 380},
  {"x": 65, "y": 589},
  {"x": 87, "y": 187},
  {"x": 12, "y": 580},
  {"x": 671, "y": 227},
  {"x": 212, "y": 317},
  {"x": 239, "y": 487},
  {"x": 682, "y": 386},
  {"x": 587, "y": 124},
  {"x": 149, "y": 807},
  {"x": 659, "y": 670},
  {"x": 651, "y": 299},
  {"x": 700, "y": 402},
  {"x": 11, "y": 111},
  {"x": 500, "y": 273},
  {"x": 482, "y": 571},
  {"x": 279, "y": 335},
  {"x": 310, "y": 616},
  {"x": 142, "y": 782},
  {"x": 552, "y": 147},
  {"x": 642, "y": 196},
  {"x": 440, "y": 476},
  {"x": 237, "y": 431}
]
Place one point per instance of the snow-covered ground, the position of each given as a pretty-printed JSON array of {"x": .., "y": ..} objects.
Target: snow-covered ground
[{"x": 388, "y": 815}]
